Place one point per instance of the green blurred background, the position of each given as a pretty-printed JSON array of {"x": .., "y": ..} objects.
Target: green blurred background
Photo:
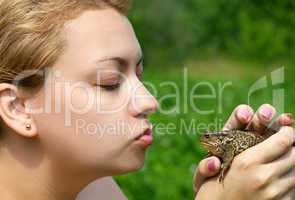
[{"x": 217, "y": 42}]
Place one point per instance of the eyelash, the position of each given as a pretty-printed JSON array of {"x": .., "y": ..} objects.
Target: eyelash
[
  {"x": 110, "y": 87},
  {"x": 116, "y": 86}
]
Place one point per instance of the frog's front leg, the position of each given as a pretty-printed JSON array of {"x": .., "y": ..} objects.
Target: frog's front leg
[{"x": 227, "y": 160}]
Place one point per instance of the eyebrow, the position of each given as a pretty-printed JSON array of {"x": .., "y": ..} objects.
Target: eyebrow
[{"x": 120, "y": 60}]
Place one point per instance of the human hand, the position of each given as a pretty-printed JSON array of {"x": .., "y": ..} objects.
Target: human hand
[
  {"x": 265, "y": 171},
  {"x": 241, "y": 118}
]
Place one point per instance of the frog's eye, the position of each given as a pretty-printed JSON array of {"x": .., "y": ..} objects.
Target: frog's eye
[{"x": 207, "y": 136}]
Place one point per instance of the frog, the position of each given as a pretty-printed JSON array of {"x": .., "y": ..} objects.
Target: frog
[{"x": 226, "y": 145}]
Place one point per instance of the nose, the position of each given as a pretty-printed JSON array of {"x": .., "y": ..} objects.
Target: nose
[{"x": 142, "y": 103}]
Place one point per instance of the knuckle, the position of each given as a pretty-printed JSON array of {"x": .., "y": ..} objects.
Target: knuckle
[
  {"x": 288, "y": 129},
  {"x": 260, "y": 181},
  {"x": 284, "y": 141},
  {"x": 272, "y": 193},
  {"x": 242, "y": 163}
]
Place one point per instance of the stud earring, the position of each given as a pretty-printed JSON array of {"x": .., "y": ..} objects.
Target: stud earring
[{"x": 28, "y": 126}]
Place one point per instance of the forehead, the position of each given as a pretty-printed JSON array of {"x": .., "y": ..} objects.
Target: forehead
[{"x": 98, "y": 34}]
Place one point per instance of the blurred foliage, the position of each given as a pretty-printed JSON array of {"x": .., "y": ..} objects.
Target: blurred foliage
[
  {"x": 171, "y": 160},
  {"x": 176, "y": 30},
  {"x": 218, "y": 41}
]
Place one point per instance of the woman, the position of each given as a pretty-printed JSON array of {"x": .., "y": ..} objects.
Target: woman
[{"x": 70, "y": 72}]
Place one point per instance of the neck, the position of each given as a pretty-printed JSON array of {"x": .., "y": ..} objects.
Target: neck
[{"x": 26, "y": 172}]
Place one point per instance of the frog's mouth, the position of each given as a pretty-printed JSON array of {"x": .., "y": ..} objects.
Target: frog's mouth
[
  {"x": 212, "y": 149},
  {"x": 207, "y": 145}
]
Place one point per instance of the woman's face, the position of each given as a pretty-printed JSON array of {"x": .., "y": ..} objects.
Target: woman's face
[{"x": 94, "y": 104}]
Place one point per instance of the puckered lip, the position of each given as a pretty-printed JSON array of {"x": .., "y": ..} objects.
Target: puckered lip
[{"x": 146, "y": 131}]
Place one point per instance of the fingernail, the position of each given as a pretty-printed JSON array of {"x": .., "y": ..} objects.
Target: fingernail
[
  {"x": 289, "y": 116},
  {"x": 287, "y": 119},
  {"x": 266, "y": 112},
  {"x": 244, "y": 114},
  {"x": 211, "y": 165}
]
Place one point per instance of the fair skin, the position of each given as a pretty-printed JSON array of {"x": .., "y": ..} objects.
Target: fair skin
[
  {"x": 265, "y": 171},
  {"x": 52, "y": 161},
  {"x": 58, "y": 160}
]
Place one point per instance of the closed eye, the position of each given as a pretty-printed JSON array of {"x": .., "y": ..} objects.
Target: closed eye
[{"x": 110, "y": 87}]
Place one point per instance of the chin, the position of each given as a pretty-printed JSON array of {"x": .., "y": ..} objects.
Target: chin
[
  {"x": 131, "y": 160},
  {"x": 128, "y": 166},
  {"x": 136, "y": 166}
]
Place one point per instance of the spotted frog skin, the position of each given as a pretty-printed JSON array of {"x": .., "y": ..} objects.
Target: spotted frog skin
[{"x": 227, "y": 144}]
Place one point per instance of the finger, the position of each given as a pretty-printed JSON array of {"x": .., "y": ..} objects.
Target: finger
[
  {"x": 271, "y": 148},
  {"x": 285, "y": 119},
  {"x": 262, "y": 118},
  {"x": 239, "y": 118},
  {"x": 289, "y": 196},
  {"x": 208, "y": 167},
  {"x": 284, "y": 164},
  {"x": 281, "y": 187}
]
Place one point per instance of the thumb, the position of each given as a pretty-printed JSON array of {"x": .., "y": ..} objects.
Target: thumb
[{"x": 208, "y": 167}]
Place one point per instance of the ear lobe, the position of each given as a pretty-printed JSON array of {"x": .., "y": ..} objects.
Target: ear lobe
[{"x": 13, "y": 112}]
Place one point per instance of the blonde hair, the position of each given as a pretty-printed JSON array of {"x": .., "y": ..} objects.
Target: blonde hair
[{"x": 30, "y": 30}]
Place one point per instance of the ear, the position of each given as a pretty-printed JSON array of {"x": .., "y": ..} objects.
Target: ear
[{"x": 13, "y": 111}]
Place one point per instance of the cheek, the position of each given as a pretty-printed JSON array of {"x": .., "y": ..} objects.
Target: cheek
[
  {"x": 105, "y": 114},
  {"x": 85, "y": 138}
]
